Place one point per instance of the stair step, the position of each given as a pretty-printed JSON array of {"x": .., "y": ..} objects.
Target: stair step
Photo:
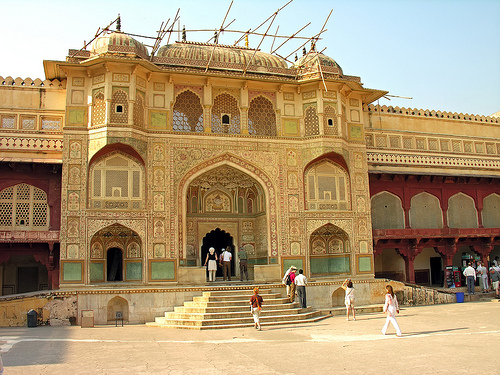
[
  {"x": 231, "y": 308},
  {"x": 232, "y": 321},
  {"x": 230, "y": 315},
  {"x": 241, "y": 325},
  {"x": 232, "y": 298},
  {"x": 246, "y": 292},
  {"x": 242, "y": 302}
]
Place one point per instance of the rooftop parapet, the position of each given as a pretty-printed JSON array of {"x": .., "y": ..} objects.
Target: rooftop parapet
[
  {"x": 431, "y": 113},
  {"x": 28, "y": 82}
]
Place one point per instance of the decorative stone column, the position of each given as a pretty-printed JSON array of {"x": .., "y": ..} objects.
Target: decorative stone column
[
  {"x": 207, "y": 118},
  {"x": 244, "y": 120}
]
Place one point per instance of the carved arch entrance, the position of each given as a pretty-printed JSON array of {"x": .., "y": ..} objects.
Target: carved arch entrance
[
  {"x": 260, "y": 208},
  {"x": 115, "y": 255}
]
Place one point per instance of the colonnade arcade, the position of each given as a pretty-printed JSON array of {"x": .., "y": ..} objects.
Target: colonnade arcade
[{"x": 425, "y": 225}]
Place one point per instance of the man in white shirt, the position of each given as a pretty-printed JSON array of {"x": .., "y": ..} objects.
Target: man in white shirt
[
  {"x": 226, "y": 263},
  {"x": 300, "y": 282},
  {"x": 470, "y": 275}
]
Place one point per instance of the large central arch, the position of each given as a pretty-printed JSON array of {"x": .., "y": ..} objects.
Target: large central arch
[{"x": 268, "y": 212}]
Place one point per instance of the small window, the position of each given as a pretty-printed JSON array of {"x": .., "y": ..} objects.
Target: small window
[
  {"x": 330, "y": 122},
  {"x": 119, "y": 108},
  {"x": 225, "y": 119}
]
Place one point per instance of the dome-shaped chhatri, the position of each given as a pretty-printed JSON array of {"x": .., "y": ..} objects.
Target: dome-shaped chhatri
[
  {"x": 223, "y": 57},
  {"x": 118, "y": 43},
  {"x": 310, "y": 62}
]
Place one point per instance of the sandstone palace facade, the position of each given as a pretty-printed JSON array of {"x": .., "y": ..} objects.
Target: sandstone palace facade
[{"x": 124, "y": 168}]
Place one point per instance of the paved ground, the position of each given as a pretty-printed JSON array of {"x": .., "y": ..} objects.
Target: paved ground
[{"x": 454, "y": 338}]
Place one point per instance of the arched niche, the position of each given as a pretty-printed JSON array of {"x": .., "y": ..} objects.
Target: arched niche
[
  {"x": 425, "y": 211},
  {"x": 329, "y": 251},
  {"x": 462, "y": 212},
  {"x": 116, "y": 304},
  {"x": 387, "y": 211},
  {"x": 491, "y": 211}
]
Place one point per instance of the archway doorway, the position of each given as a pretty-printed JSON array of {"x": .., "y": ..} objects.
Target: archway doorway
[
  {"x": 114, "y": 260},
  {"x": 110, "y": 249},
  {"x": 218, "y": 239},
  {"x": 330, "y": 251}
]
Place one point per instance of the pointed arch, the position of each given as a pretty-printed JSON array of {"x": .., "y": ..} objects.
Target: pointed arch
[
  {"x": 387, "y": 211},
  {"x": 116, "y": 182},
  {"x": 491, "y": 211},
  {"x": 261, "y": 117},
  {"x": 98, "y": 108},
  {"x": 327, "y": 186},
  {"x": 268, "y": 190},
  {"x": 329, "y": 251},
  {"x": 226, "y": 114},
  {"x": 330, "y": 121},
  {"x": 462, "y": 211},
  {"x": 119, "y": 106},
  {"x": 187, "y": 112},
  {"x": 425, "y": 211},
  {"x": 311, "y": 121},
  {"x": 24, "y": 207}
]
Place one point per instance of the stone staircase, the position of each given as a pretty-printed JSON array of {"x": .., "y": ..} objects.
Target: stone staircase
[{"x": 231, "y": 309}]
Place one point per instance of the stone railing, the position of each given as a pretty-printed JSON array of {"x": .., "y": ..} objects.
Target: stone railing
[
  {"x": 432, "y": 114},
  {"x": 28, "y": 82}
]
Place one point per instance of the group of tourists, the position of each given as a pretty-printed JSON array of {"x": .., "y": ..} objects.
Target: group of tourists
[
  {"x": 475, "y": 271},
  {"x": 296, "y": 285},
  {"x": 224, "y": 260}
]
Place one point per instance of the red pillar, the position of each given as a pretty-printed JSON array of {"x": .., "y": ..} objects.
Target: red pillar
[{"x": 410, "y": 269}]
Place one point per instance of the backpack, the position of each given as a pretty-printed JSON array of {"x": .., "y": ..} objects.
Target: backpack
[{"x": 288, "y": 281}]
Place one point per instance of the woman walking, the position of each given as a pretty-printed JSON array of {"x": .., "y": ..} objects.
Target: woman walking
[
  {"x": 255, "y": 307},
  {"x": 349, "y": 298},
  {"x": 212, "y": 263},
  {"x": 391, "y": 307}
]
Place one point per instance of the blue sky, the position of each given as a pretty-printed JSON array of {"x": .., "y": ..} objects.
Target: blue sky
[{"x": 443, "y": 54}]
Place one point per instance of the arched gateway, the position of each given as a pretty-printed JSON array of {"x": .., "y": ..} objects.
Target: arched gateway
[
  {"x": 226, "y": 207},
  {"x": 115, "y": 253}
]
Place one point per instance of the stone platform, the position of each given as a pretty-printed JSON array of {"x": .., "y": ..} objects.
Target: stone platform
[{"x": 230, "y": 309}]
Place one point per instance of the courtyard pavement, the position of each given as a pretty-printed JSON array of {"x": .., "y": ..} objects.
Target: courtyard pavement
[{"x": 454, "y": 338}]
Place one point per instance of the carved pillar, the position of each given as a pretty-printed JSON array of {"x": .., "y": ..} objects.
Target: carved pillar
[
  {"x": 444, "y": 209},
  {"x": 207, "y": 118},
  {"x": 409, "y": 254},
  {"x": 244, "y": 120},
  {"x": 406, "y": 202}
]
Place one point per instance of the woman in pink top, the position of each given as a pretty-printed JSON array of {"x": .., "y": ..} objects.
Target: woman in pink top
[{"x": 391, "y": 307}]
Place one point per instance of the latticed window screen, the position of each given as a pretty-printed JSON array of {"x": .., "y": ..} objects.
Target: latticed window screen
[
  {"x": 119, "y": 107},
  {"x": 311, "y": 121},
  {"x": 139, "y": 109},
  {"x": 188, "y": 113},
  {"x": 261, "y": 117},
  {"x": 24, "y": 207},
  {"x": 225, "y": 104},
  {"x": 117, "y": 182},
  {"x": 330, "y": 125},
  {"x": 327, "y": 187},
  {"x": 98, "y": 109}
]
